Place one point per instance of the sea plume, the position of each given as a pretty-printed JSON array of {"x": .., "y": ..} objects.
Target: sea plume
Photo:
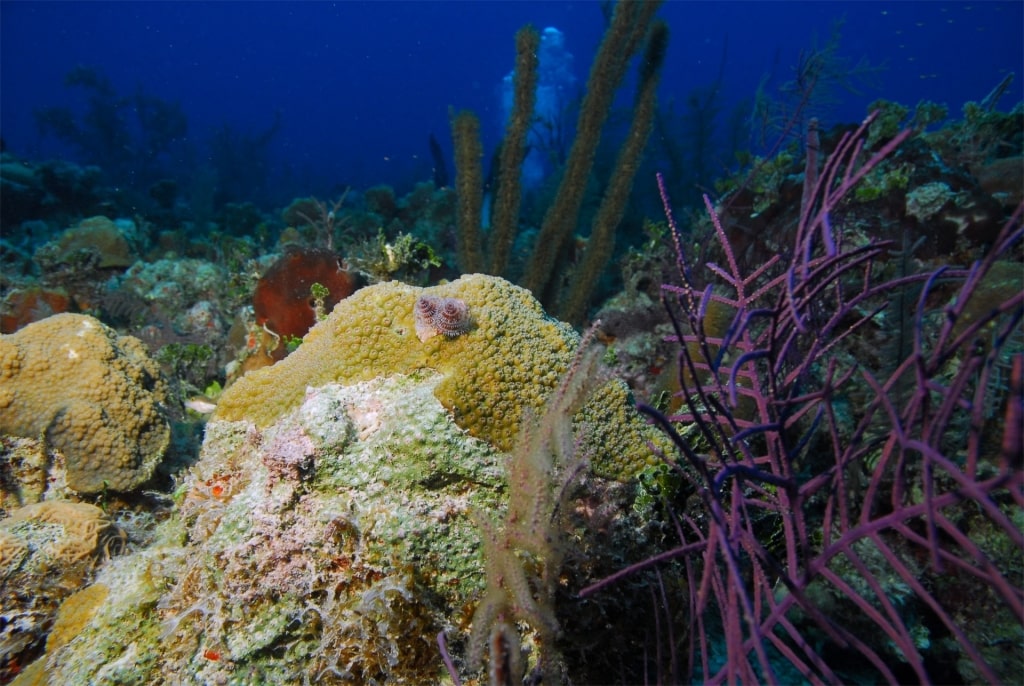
[{"x": 849, "y": 523}]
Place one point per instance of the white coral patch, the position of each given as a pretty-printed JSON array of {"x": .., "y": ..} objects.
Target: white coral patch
[{"x": 366, "y": 417}]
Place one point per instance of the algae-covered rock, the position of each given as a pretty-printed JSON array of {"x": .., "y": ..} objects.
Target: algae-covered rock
[
  {"x": 332, "y": 545},
  {"x": 329, "y": 546}
]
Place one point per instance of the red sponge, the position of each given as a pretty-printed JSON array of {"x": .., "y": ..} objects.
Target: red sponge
[{"x": 283, "y": 302}]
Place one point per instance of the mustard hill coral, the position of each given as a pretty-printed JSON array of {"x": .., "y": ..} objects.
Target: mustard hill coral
[
  {"x": 91, "y": 394},
  {"x": 510, "y": 360}
]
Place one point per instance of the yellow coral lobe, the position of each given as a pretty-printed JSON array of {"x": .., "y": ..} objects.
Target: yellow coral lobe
[
  {"x": 488, "y": 377},
  {"x": 510, "y": 360},
  {"x": 90, "y": 393},
  {"x": 75, "y": 614}
]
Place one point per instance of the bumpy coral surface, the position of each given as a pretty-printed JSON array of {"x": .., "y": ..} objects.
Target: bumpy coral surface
[
  {"x": 89, "y": 393},
  {"x": 509, "y": 360},
  {"x": 329, "y": 547},
  {"x": 47, "y": 551}
]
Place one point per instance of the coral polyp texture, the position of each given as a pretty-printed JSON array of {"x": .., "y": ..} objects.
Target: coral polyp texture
[
  {"x": 509, "y": 360},
  {"x": 91, "y": 394}
]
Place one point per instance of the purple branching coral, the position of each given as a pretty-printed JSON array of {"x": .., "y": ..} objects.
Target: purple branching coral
[{"x": 852, "y": 523}]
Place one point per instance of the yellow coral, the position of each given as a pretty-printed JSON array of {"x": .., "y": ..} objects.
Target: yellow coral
[
  {"x": 47, "y": 551},
  {"x": 74, "y": 615},
  {"x": 85, "y": 528},
  {"x": 510, "y": 360},
  {"x": 91, "y": 394},
  {"x": 99, "y": 236}
]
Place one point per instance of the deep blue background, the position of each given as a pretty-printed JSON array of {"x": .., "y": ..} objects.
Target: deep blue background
[{"x": 361, "y": 85}]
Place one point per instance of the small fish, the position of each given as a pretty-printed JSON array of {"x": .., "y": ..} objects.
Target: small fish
[{"x": 201, "y": 405}]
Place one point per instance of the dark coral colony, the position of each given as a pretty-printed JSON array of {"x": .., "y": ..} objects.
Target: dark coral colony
[{"x": 476, "y": 433}]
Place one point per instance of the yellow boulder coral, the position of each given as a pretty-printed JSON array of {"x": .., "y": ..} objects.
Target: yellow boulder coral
[
  {"x": 91, "y": 394},
  {"x": 510, "y": 359},
  {"x": 97, "y": 236}
]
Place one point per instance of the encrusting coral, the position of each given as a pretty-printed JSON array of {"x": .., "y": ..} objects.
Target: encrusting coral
[
  {"x": 48, "y": 550},
  {"x": 93, "y": 395},
  {"x": 330, "y": 546},
  {"x": 510, "y": 360},
  {"x": 325, "y": 534}
]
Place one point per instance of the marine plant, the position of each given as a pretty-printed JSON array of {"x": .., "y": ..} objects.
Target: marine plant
[
  {"x": 130, "y": 137},
  {"x": 632, "y": 27},
  {"x": 844, "y": 522},
  {"x": 524, "y": 551},
  {"x": 404, "y": 258}
]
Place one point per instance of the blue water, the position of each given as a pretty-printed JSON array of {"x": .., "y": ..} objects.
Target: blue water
[{"x": 357, "y": 88}]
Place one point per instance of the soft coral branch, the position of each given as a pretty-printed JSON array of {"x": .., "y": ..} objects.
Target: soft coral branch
[{"x": 827, "y": 526}]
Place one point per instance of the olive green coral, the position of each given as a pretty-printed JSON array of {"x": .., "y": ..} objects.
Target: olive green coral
[
  {"x": 510, "y": 360},
  {"x": 88, "y": 392}
]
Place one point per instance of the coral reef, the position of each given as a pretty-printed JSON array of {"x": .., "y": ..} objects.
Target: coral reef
[
  {"x": 52, "y": 190},
  {"x": 93, "y": 395},
  {"x": 96, "y": 240},
  {"x": 855, "y": 509},
  {"x": 836, "y": 494},
  {"x": 48, "y": 550},
  {"x": 328, "y": 546},
  {"x": 508, "y": 362}
]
